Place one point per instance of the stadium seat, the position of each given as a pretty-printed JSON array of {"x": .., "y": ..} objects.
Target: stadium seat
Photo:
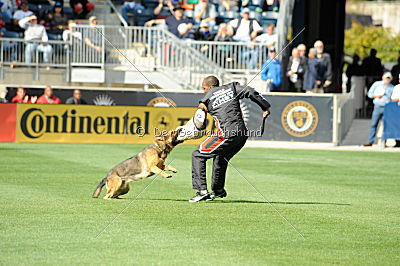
[{"x": 189, "y": 13}]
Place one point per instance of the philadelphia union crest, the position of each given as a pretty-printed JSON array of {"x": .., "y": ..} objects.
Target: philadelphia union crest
[{"x": 299, "y": 118}]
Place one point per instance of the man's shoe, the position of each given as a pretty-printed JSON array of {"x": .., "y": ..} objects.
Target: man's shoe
[
  {"x": 218, "y": 194},
  {"x": 369, "y": 144},
  {"x": 200, "y": 197}
]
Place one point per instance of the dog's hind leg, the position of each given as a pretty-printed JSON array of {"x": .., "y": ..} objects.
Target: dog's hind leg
[{"x": 113, "y": 185}]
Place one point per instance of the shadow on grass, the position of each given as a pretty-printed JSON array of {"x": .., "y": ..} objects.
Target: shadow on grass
[{"x": 259, "y": 202}]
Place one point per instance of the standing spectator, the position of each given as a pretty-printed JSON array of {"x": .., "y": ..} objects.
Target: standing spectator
[
  {"x": 76, "y": 98},
  {"x": 271, "y": 71},
  {"x": 48, "y": 97},
  {"x": 354, "y": 69},
  {"x": 205, "y": 12},
  {"x": 325, "y": 65},
  {"x": 130, "y": 6},
  {"x": 381, "y": 91},
  {"x": 396, "y": 72},
  {"x": 396, "y": 92},
  {"x": 302, "y": 50},
  {"x": 22, "y": 97},
  {"x": 177, "y": 24},
  {"x": 35, "y": 32},
  {"x": 295, "y": 71},
  {"x": 372, "y": 67},
  {"x": 81, "y": 8},
  {"x": 311, "y": 76},
  {"x": 245, "y": 29},
  {"x": 228, "y": 5}
]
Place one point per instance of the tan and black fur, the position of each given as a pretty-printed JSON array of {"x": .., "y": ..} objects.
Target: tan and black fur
[{"x": 148, "y": 162}]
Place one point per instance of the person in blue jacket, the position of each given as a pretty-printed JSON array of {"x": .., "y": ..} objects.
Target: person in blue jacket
[{"x": 271, "y": 71}]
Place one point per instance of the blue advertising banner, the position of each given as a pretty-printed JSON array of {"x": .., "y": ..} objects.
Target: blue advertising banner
[{"x": 391, "y": 121}]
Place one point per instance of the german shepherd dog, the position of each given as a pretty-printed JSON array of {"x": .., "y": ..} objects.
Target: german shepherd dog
[{"x": 148, "y": 162}]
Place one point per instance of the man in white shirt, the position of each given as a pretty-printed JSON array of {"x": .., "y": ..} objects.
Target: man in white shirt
[
  {"x": 245, "y": 29},
  {"x": 35, "y": 32},
  {"x": 23, "y": 13},
  {"x": 396, "y": 93}
]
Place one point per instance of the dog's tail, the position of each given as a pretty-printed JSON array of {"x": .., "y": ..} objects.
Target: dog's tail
[{"x": 96, "y": 193}]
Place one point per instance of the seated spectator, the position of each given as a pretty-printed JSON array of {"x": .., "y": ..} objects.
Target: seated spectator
[
  {"x": 38, "y": 6},
  {"x": 229, "y": 5},
  {"x": 269, "y": 5},
  {"x": 76, "y": 98},
  {"x": 225, "y": 33},
  {"x": 396, "y": 71},
  {"x": 7, "y": 10},
  {"x": 55, "y": 22},
  {"x": 35, "y": 32},
  {"x": 380, "y": 91},
  {"x": 295, "y": 71},
  {"x": 205, "y": 12},
  {"x": 3, "y": 95},
  {"x": 325, "y": 65},
  {"x": 271, "y": 72},
  {"x": 91, "y": 37},
  {"x": 9, "y": 48},
  {"x": 48, "y": 97},
  {"x": 245, "y": 29},
  {"x": 270, "y": 38},
  {"x": 24, "y": 12},
  {"x": 177, "y": 24},
  {"x": 246, "y": 3},
  {"x": 302, "y": 50},
  {"x": 163, "y": 5},
  {"x": 130, "y": 6},
  {"x": 70, "y": 33},
  {"x": 22, "y": 97},
  {"x": 396, "y": 92},
  {"x": 203, "y": 33},
  {"x": 81, "y": 8}
]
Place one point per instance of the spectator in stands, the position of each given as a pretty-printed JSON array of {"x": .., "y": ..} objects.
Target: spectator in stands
[
  {"x": 245, "y": 29},
  {"x": 203, "y": 33},
  {"x": 302, "y": 50},
  {"x": 225, "y": 33},
  {"x": 396, "y": 72},
  {"x": 35, "y": 32},
  {"x": 396, "y": 91},
  {"x": 229, "y": 5},
  {"x": 76, "y": 98},
  {"x": 130, "y": 6},
  {"x": 163, "y": 7},
  {"x": 269, "y": 39},
  {"x": 22, "y": 97},
  {"x": 9, "y": 48},
  {"x": 380, "y": 91},
  {"x": 24, "y": 12},
  {"x": 92, "y": 38},
  {"x": 3, "y": 94},
  {"x": 311, "y": 76},
  {"x": 70, "y": 33},
  {"x": 177, "y": 24},
  {"x": 270, "y": 5},
  {"x": 295, "y": 71},
  {"x": 354, "y": 69},
  {"x": 325, "y": 65},
  {"x": 372, "y": 67},
  {"x": 81, "y": 8},
  {"x": 7, "y": 10},
  {"x": 48, "y": 97},
  {"x": 271, "y": 71},
  {"x": 38, "y": 6},
  {"x": 55, "y": 22},
  {"x": 205, "y": 12}
]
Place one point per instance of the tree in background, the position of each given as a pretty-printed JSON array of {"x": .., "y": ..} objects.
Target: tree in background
[{"x": 360, "y": 39}]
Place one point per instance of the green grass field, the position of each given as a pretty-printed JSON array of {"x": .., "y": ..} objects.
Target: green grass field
[{"x": 346, "y": 204}]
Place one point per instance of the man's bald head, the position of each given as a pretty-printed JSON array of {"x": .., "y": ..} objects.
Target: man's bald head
[{"x": 210, "y": 82}]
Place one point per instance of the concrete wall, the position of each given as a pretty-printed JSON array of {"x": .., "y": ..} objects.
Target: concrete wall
[{"x": 385, "y": 13}]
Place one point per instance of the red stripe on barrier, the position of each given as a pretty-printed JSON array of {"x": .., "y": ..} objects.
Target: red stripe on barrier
[{"x": 8, "y": 122}]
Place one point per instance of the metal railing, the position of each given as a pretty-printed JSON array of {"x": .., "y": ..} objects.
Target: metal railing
[{"x": 234, "y": 57}]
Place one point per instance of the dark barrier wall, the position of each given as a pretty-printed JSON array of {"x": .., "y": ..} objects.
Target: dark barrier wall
[{"x": 293, "y": 117}]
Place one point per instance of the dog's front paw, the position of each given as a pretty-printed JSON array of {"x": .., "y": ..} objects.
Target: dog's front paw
[
  {"x": 174, "y": 171},
  {"x": 168, "y": 176}
]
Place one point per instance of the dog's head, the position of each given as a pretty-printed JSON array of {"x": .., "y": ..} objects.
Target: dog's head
[{"x": 169, "y": 138}]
